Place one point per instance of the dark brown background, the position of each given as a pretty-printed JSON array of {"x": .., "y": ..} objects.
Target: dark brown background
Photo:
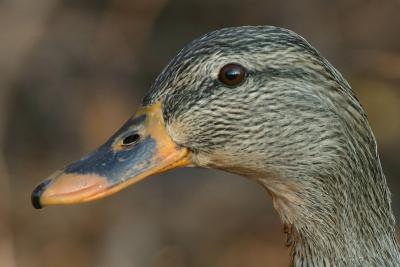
[{"x": 71, "y": 72}]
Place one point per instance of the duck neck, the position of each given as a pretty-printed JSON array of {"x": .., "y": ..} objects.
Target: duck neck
[{"x": 345, "y": 220}]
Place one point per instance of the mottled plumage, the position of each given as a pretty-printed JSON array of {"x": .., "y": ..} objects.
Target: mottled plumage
[
  {"x": 295, "y": 127},
  {"x": 263, "y": 103}
]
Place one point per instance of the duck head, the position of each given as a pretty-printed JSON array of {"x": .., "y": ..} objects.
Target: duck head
[
  {"x": 256, "y": 101},
  {"x": 260, "y": 102}
]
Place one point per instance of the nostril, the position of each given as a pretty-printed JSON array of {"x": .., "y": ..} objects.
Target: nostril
[{"x": 131, "y": 140}]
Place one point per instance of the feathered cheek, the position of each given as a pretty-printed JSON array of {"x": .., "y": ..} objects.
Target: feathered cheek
[{"x": 178, "y": 132}]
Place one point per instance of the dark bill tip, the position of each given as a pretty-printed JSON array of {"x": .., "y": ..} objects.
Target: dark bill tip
[{"x": 37, "y": 193}]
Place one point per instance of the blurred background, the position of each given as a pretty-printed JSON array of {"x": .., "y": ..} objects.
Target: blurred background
[{"x": 71, "y": 72}]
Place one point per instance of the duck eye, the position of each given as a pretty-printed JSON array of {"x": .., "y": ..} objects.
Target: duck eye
[
  {"x": 232, "y": 74},
  {"x": 130, "y": 140}
]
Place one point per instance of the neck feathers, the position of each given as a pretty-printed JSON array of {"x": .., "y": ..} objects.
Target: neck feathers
[{"x": 343, "y": 219}]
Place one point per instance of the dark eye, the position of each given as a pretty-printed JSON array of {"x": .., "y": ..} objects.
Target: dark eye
[
  {"x": 130, "y": 140},
  {"x": 232, "y": 74}
]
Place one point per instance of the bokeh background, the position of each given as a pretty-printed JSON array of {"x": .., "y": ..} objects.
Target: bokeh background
[{"x": 71, "y": 72}]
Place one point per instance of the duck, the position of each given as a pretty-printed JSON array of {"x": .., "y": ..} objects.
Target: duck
[{"x": 261, "y": 102}]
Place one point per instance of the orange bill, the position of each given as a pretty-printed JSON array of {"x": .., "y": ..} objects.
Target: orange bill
[{"x": 141, "y": 148}]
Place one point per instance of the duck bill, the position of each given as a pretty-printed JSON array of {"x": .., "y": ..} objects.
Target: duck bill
[{"x": 139, "y": 149}]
